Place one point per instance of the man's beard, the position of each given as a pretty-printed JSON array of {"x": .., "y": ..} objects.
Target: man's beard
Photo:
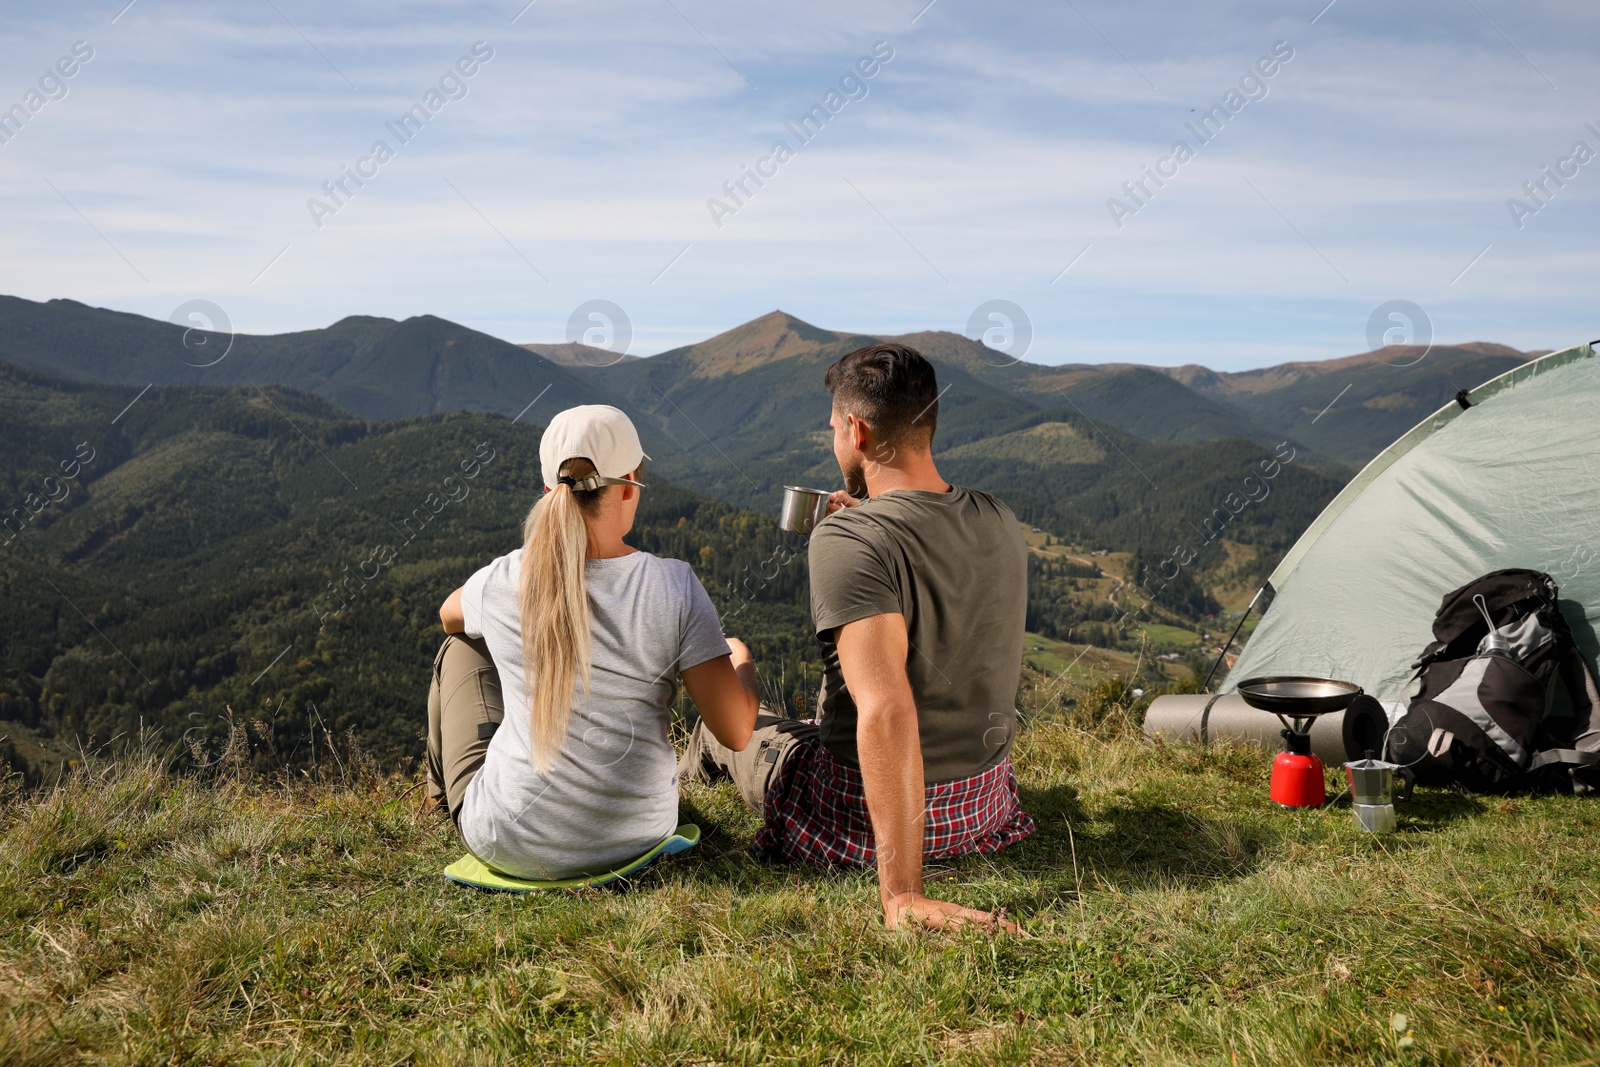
[{"x": 855, "y": 479}]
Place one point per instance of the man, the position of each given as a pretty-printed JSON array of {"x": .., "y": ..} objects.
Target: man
[{"x": 918, "y": 597}]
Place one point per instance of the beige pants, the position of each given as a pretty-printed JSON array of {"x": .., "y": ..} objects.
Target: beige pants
[
  {"x": 706, "y": 759},
  {"x": 465, "y": 708}
]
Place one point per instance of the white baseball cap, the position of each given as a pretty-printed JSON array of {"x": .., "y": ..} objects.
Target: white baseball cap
[{"x": 599, "y": 433}]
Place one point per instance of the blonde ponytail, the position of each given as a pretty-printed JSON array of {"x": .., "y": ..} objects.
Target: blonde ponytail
[{"x": 555, "y": 609}]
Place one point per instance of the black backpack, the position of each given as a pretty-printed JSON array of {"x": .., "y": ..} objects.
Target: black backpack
[{"x": 1489, "y": 721}]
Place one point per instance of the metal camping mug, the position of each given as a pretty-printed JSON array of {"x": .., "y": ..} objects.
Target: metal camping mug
[{"x": 802, "y": 509}]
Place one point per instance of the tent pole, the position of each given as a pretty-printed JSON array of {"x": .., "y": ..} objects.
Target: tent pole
[{"x": 1224, "y": 654}]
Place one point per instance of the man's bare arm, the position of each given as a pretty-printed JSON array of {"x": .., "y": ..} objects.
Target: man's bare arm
[{"x": 872, "y": 657}]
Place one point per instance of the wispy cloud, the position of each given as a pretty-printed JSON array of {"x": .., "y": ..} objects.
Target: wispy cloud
[{"x": 592, "y": 140}]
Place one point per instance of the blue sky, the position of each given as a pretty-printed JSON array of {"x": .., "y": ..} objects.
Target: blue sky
[{"x": 976, "y": 166}]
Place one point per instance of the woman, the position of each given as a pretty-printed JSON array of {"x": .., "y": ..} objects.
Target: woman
[{"x": 584, "y": 636}]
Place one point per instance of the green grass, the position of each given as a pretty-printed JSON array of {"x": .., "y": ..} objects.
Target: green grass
[
  {"x": 1085, "y": 665},
  {"x": 1175, "y": 916},
  {"x": 1169, "y": 636}
]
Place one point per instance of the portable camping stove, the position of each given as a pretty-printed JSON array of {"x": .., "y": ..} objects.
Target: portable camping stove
[{"x": 1297, "y": 772}]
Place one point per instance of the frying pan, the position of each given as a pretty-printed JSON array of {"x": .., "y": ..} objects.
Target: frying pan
[{"x": 1296, "y": 697}]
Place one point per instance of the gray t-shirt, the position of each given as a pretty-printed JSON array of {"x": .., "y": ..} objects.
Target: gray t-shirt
[
  {"x": 956, "y": 567},
  {"x": 612, "y": 792}
]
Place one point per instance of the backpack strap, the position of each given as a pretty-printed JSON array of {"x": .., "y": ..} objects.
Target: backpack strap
[
  {"x": 1580, "y": 683},
  {"x": 1584, "y": 754},
  {"x": 1567, "y": 757},
  {"x": 1436, "y": 650}
]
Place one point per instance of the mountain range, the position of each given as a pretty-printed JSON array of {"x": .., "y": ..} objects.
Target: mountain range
[
  {"x": 1340, "y": 411},
  {"x": 1132, "y": 455},
  {"x": 1379, "y": 394}
]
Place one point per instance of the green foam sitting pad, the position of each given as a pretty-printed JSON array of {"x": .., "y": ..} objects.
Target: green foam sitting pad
[{"x": 470, "y": 870}]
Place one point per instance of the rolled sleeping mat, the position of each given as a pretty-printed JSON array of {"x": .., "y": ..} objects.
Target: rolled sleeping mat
[{"x": 1200, "y": 718}]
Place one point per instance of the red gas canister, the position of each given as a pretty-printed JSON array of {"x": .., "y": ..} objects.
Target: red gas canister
[{"x": 1297, "y": 781}]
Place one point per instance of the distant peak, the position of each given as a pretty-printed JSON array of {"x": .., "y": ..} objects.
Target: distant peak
[
  {"x": 792, "y": 322},
  {"x": 774, "y": 322},
  {"x": 365, "y": 320},
  {"x": 777, "y": 335}
]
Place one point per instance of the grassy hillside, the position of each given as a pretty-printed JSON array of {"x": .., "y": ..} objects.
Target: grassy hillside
[
  {"x": 1173, "y": 915},
  {"x": 1052, "y": 443}
]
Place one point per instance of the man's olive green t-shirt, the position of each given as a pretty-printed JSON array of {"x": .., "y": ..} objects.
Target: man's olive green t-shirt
[{"x": 955, "y": 566}]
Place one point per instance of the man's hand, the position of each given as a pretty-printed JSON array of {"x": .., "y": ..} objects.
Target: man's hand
[
  {"x": 914, "y": 909},
  {"x": 839, "y": 499}
]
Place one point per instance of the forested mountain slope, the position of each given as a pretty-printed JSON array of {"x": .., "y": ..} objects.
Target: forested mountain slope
[{"x": 264, "y": 550}]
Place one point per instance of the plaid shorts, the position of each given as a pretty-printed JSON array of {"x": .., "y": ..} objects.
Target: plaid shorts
[{"x": 816, "y": 812}]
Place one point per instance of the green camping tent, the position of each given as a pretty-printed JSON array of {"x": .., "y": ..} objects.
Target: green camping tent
[{"x": 1513, "y": 480}]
